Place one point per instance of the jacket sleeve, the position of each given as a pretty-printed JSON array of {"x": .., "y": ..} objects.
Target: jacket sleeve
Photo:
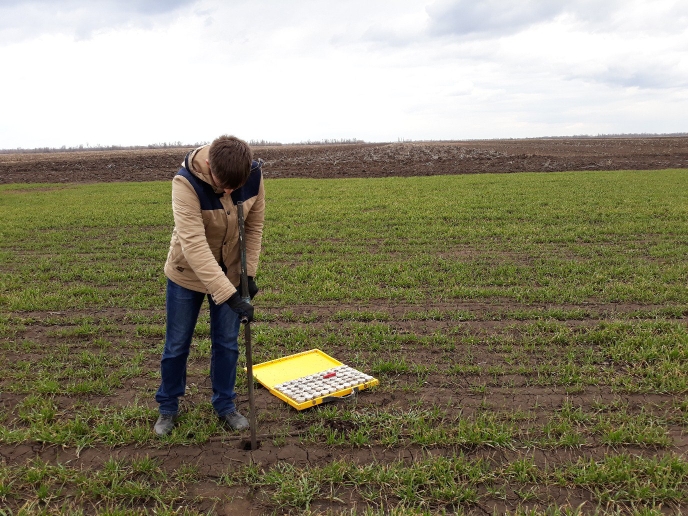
[
  {"x": 253, "y": 230},
  {"x": 186, "y": 209}
]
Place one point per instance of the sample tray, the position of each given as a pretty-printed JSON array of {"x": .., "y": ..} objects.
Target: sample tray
[{"x": 310, "y": 378}]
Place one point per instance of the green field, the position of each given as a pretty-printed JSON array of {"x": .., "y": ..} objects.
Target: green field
[{"x": 529, "y": 331}]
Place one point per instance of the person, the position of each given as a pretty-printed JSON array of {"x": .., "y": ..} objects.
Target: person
[{"x": 204, "y": 259}]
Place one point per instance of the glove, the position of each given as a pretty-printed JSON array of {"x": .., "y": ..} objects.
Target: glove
[
  {"x": 243, "y": 308},
  {"x": 252, "y": 287}
]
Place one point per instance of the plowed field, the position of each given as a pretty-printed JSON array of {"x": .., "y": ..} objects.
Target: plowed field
[{"x": 364, "y": 160}]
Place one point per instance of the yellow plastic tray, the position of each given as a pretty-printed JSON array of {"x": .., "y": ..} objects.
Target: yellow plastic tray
[{"x": 275, "y": 372}]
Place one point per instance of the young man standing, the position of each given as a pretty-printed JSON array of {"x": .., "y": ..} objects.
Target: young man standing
[{"x": 205, "y": 260}]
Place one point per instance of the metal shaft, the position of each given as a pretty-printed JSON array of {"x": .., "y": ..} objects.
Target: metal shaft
[{"x": 247, "y": 327}]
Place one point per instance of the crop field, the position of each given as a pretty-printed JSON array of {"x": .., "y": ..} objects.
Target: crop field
[{"x": 529, "y": 331}]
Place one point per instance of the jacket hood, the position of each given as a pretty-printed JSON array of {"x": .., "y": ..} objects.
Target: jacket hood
[{"x": 195, "y": 162}]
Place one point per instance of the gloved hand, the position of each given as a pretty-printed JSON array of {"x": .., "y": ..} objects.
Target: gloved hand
[
  {"x": 252, "y": 287},
  {"x": 241, "y": 307}
]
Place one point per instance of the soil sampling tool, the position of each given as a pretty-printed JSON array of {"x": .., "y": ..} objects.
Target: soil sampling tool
[
  {"x": 310, "y": 378},
  {"x": 247, "y": 331}
]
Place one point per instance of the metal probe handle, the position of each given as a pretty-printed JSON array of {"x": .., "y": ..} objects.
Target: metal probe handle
[
  {"x": 244, "y": 270},
  {"x": 247, "y": 326}
]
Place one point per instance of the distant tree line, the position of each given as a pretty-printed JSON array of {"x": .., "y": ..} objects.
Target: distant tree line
[
  {"x": 332, "y": 141},
  {"x": 612, "y": 135},
  {"x": 262, "y": 143},
  {"x": 572, "y": 137},
  {"x": 327, "y": 141},
  {"x": 169, "y": 145},
  {"x": 98, "y": 147}
]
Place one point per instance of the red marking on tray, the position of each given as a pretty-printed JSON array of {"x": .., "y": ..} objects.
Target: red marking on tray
[{"x": 329, "y": 375}]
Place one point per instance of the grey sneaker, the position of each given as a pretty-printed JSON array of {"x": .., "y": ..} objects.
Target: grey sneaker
[
  {"x": 165, "y": 424},
  {"x": 235, "y": 421}
]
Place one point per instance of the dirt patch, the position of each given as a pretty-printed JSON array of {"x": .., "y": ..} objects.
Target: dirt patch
[{"x": 518, "y": 402}]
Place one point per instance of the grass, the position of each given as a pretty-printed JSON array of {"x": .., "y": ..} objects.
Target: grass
[
  {"x": 506, "y": 316},
  {"x": 572, "y": 238},
  {"x": 40, "y": 487},
  {"x": 448, "y": 483}
]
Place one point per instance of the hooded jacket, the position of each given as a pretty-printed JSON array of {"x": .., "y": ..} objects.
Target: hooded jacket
[{"x": 204, "y": 253}]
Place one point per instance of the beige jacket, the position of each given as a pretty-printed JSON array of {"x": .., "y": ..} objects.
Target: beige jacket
[{"x": 204, "y": 253}]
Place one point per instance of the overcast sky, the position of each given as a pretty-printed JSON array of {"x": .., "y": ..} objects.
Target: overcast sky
[{"x": 141, "y": 72}]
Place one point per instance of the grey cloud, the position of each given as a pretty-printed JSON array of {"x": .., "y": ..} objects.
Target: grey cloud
[
  {"x": 505, "y": 17},
  {"x": 80, "y": 18},
  {"x": 152, "y": 7},
  {"x": 123, "y": 6},
  {"x": 650, "y": 76},
  {"x": 464, "y": 17}
]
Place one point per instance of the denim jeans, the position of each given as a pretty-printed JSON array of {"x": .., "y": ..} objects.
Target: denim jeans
[{"x": 183, "y": 306}]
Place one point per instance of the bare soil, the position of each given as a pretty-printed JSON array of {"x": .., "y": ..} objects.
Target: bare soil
[{"x": 364, "y": 160}]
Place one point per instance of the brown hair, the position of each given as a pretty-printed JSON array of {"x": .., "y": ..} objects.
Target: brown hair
[{"x": 230, "y": 160}]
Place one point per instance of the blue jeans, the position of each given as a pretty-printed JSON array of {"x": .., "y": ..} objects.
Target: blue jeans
[{"x": 183, "y": 306}]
